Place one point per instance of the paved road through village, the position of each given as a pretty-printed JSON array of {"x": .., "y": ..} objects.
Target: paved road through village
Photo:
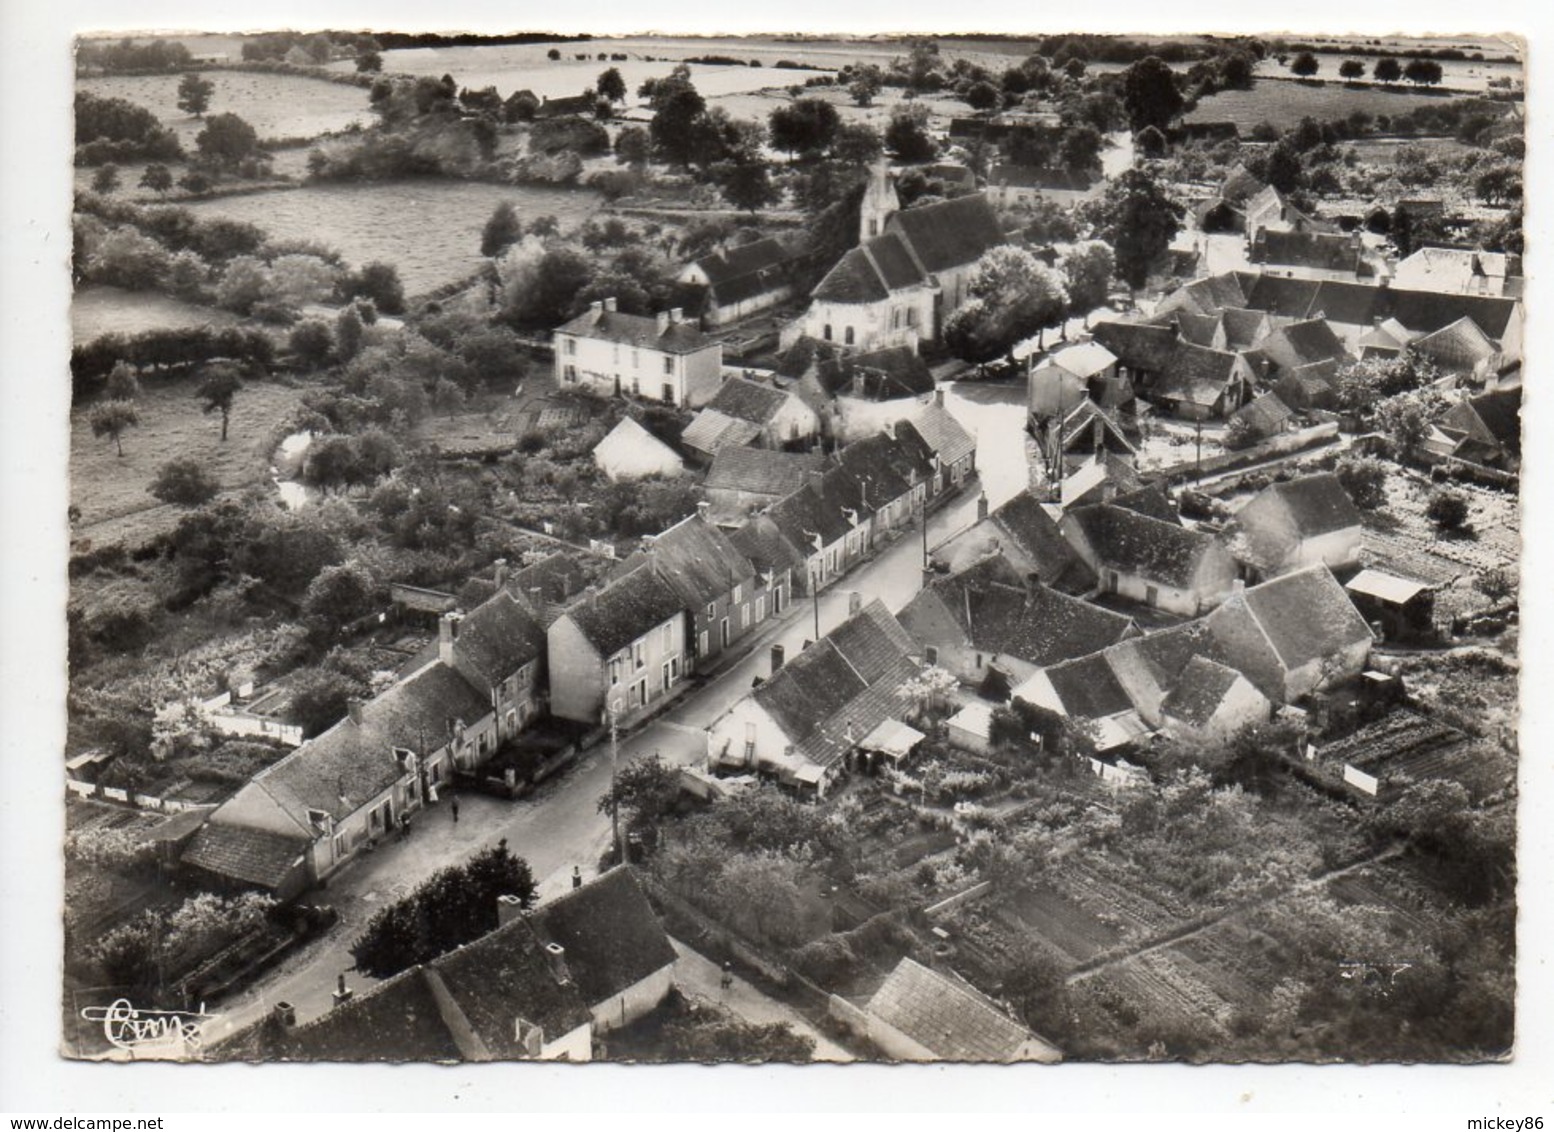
[{"x": 559, "y": 827}]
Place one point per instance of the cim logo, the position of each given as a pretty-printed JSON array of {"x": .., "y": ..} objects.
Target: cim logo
[{"x": 169, "y": 1034}]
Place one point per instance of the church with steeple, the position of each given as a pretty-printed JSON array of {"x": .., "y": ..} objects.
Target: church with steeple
[{"x": 908, "y": 273}]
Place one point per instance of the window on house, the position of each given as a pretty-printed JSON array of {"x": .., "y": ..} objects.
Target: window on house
[
  {"x": 668, "y": 678},
  {"x": 739, "y": 591},
  {"x": 712, "y": 610},
  {"x": 723, "y": 632},
  {"x": 874, "y": 227},
  {"x": 702, "y": 650},
  {"x": 636, "y": 386},
  {"x": 744, "y": 616},
  {"x": 569, "y": 373},
  {"x": 674, "y": 667},
  {"x": 668, "y": 394},
  {"x": 615, "y": 672},
  {"x": 911, "y": 316},
  {"x": 668, "y": 365},
  {"x": 849, "y": 336},
  {"x": 668, "y": 637},
  {"x": 979, "y": 660},
  {"x": 760, "y": 609},
  {"x": 637, "y": 694},
  {"x": 749, "y": 742},
  {"x": 636, "y": 359},
  {"x": 342, "y": 845},
  {"x": 571, "y": 345},
  {"x": 639, "y": 654},
  {"x": 826, "y": 332}
]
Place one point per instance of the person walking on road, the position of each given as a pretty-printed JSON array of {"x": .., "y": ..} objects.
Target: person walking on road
[{"x": 453, "y": 804}]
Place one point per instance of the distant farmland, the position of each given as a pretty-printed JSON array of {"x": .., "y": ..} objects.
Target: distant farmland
[{"x": 1283, "y": 104}]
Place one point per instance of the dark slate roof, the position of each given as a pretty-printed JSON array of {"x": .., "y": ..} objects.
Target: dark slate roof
[
  {"x": 747, "y": 400},
  {"x": 760, "y": 471},
  {"x": 253, "y": 856},
  {"x": 1136, "y": 544},
  {"x": 698, "y": 561},
  {"x": 1208, "y": 295},
  {"x": 713, "y": 431},
  {"x": 625, "y": 609},
  {"x": 1501, "y": 412},
  {"x": 805, "y": 352},
  {"x": 854, "y": 279},
  {"x": 883, "y": 468},
  {"x": 1199, "y": 329},
  {"x": 1266, "y": 414},
  {"x": 948, "y": 1018},
  {"x": 638, "y": 330},
  {"x": 1318, "y": 503},
  {"x": 1361, "y": 304},
  {"x": 945, "y": 435},
  {"x": 1280, "y": 295},
  {"x": 760, "y": 541},
  {"x": 495, "y": 640},
  {"x": 950, "y": 233},
  {"x": 505, "y": 976},
  {"x": 872, "y": 641},
  {"x": 1201, "y": 688},
  {"x": 1240, "y": 185},
  {"x": 893, "y": 262},
  {"x": 612, "y": 937},
  {"x": 1138, "y": 345},
  {"x": 1243, "y": 328},
  {"x": 1088, "y": 688},
  {"x": 398, "y": 1020},
  {"x": 1195, "y": 373},
  {"x": 1282, "y": 624},
  {"x": 1320, "y": 250},
  {"x": 999, "y": 611},
  {"x": 813, "y": 510},
  {"x": 1029, "y": 528},
  {"x": 1038, "y": 177},
  {"x": 808, "y": 689},
  {"x": 1152, "y": 501},
  {"x": 742, "y": 272},
  {"x": 352, "y": 763},
  {"x": 557, "y": 578},
  {"x": 1459, "y": 345},
  {"x": 580, "y": 104},
  {"x": 1303, "y": 343},
  {"x": 896, "y": 371}
]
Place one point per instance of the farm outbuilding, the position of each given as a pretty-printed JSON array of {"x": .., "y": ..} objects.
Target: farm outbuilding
[{"x": 1400, "y": 609}]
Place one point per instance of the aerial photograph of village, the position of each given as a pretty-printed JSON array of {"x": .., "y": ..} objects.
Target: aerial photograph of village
[{"x": 958, "y": 548}]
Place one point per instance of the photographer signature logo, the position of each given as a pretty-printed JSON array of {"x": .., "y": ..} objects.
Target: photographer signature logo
[{"x": 150, "y": 1033}]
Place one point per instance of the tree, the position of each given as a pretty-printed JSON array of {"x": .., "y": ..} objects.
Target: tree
[
  {"x": 333, "y": 463},
  {"x": 218, "y": 390},
  {"x": 1497, "y": 584},
  {"x": 1150, "y": 94},
  {"x": 226, "y": 141},
  {"x": 106, "y": 179},
  {"x": 1497, "y": 184},
  {"x": 857, "y": 144},
  {"x": 647, "y": 789},
  {"x": 1423, "y": 72},
  {"x": 122, "y": 384},
  {"x": 746, "y": 184},
  {"x": 1014, "y": 296},
  {"x": 379, "y": 282},
  {"x": 633, "y": 146},
  {"x": 503, "y": 229},
  {"x": 1364, "y": 478},
  {"x": 312, "y": 342},
  {"x": 982, "y": 96},
  {"x": 447, "y": 397},
  {"x": 1402, "y": 231},
  {"x": 1447, "y": 509},
  {"x": 866, "y": 86},
  {"x": 1387, "y": 70},
  {"x": 194, "y": 94},
  {"x": 1088, "y": 270},
  {"x": 1351, "y": 69},
  {"x": 337, "y": 597},
  {"x": 611, "y": 86},
  {"x": 1074, "y": 69},
  {"x": 158, "y": 178},
  {"x": 1406, "y": 421},
  {"x": 806, "y": 127},
  {"x": 1305, "y": 65},
  {"x": 1080, "y": 149},
  {"x": 554, "y": 54},
  {"x": 194, "y": 182},
  {"x": 349, "y": 333},
  {"x": 673, "y": 128},
  {"x": 113, "y": 419},
  {"x": 369, "y": 63},
  {"x": 184, "y": 482},
  {"x": 1139, "y": 221},
  {"x": 1150, "y": 142},
  {"x": 907, "y": 134}
]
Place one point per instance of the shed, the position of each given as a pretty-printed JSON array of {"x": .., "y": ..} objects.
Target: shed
[
  {"x": 1402, "y": 609},
  {"x": 971, "y": 727}
]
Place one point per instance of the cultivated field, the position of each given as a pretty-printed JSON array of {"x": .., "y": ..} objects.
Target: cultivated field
[
  {"x": 106, "y": 486},
  {"x": 1283, "y": 104},
  {"x": 96, "y": 311},
  {"x": 277, "y": 106},
  {"x": 427, "y": 227}
]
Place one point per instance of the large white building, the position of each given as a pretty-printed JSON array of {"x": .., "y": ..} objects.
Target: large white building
[{"x": 663, "y": 359}]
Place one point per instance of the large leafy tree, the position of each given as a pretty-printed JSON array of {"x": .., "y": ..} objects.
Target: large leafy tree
[
  {"x": 611, "y": 86},
  {"x": 1088, "y": 270},
  {"x": 184, "y": 482},
  {"x": 1013, "y": 296},
  {"x": 502, "y": 230},
  {"x": 227, "y": 140},
  {"x": 1139, "y": 221},
  {"x": 806, "y": 127},
  {"x": 218, "y": 390},
  {"x": 112, "y": 419},
  {"x": 194, "y": 94},
  {"x": 1150, "y": 94},
  {"x": 907, "y": 134},
  {"x": 673, "y": 126}
]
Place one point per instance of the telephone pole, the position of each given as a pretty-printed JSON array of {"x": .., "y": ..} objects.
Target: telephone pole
[{"x": 615, "y": 798}]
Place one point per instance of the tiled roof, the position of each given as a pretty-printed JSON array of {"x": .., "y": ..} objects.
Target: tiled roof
[
  {"x": 805, "y": 352},
  {"x": 880, "y": 469},
  {"x": 557, "y": 577},
  {"x": 896, "y": 371},
  {"x": 742, "y": 272},
  {"x": 638, "y": 330},
  {"x": 352, "y": 763},
  {"x": 506, "y": 976},
  {"x": 625, "y": 609},
  {"x": 1303, "y": 343},
  {"x": 1243, "y": 328},
  {"x": 945, "y": 435},
  {"x": 1199, "y": 691},
  {"x": 713, "y": 431},
  {"x": 808, "y": 689},
  {"x": 950, "y": 233},
  {"x": 814, "y": 510},
  {"x": 893, "y": 262},
  {"x": 1132, "y": 543},
  {"x": 760, "y": 541},
  {"x": 1086, "y": 359},
  {"x": 854, "y": 279},
  {"x": 1320, "y": 250},
  {"x": 1240, "y": 185},
  {"x": 612, "y": 937},
  {"x": 698, "y": 561},
  {"x": 1501, "y": 412},
  {"x": 1152, "y": 501},
  {"x": 752, "y": 401},
  {"x": 872, "y": 640},
  {"x": 1280, "y": 625},
  {"x": 630, "y": 451},
  {"x": 829, "y": 743},
  {"x": 1196, "y": 374},
  {"x": 761, "y": 471},
  {"x": 950, "y": 1019},
  {"x": 254, "y": 856},
  {"x": 1199, "y": 329},
  {"x": 1137, "y": 345},
  {"x": 1318, "y": 503},
  {"x": 1459, "y": 345},
  {"x": 1360, "y": 304},
  {"x": 398, "y": 1020},
  {"x": 1268, "y": 526},
  {"x": 1266, "y": 414},
  {"x": 1032, "y": 531},
  {"x": 1088, "y": 688},
  {"x": 495, "y": 640}
]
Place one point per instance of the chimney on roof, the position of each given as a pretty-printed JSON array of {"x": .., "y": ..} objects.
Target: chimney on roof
[
  {"x": 779, "y": 654},
  {"x": 703, "y": 508},
  {"x": 982, "y": 507},
  {"x": 556, "y": 956},
  {"x": 662, "y": 322},
  {"x": 285, "y": 1014},
  {"x": 508, "y": 909},
  {"x": 938, "y": 397},
  {"x": 499, "y": 572},
  {"x": 353, "y": 710},
  {"x": 596, "y": 308},
  {"x": 609, "y": 304},
  {"x": 1238, "y": 586},
  {"x": 854, "y": 603},
  {"x": 676, "y": 316},
  {"x": 447, "y": 633}
]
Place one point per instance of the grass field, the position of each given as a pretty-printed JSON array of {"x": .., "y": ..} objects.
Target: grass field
[
  {"x": 277, "y": 106},
  {"x": 1284, "y": 104},
  {"x": 428, "y": 228},
  {"x": 111, "y": 310},
  {"x": 108, "y": 487}
]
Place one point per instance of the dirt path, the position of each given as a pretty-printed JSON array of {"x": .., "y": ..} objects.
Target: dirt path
[{"x": 1179, "y": 934}]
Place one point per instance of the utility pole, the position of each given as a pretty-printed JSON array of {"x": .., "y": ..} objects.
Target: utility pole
[
  {"x": 1197, "y": 436},
  {"x": 615, "y": 798},
  {"x": 814, "y": 593},
  {"x": 924, "y": 514}
]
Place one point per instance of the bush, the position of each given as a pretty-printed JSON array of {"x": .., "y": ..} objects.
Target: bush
[
  {"x": 1365, "y": 479},
  {"x": 184, "y": 482},
  {"x": 1448, "y": 510}
]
